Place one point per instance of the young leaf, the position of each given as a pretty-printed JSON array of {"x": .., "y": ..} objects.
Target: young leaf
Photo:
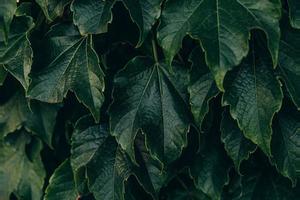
[
  {"x": 294, "y": 6},
  {"x": 7, "y": 11},
  {"x": 289, "y": 61},
  {"x": 16, "y": 56},
  {"x": 148, "y": 97},
  {"x": 72, "y": 64},
  {"x": 19, "y": 174},
  {"x": 40, "y": 119},
  {"x": 286, "y": 143},
  {"x": 254, "y": 95},
  {"x": 144, "y": 13},
  {"x": 53, "y": 8},
  {"x": 223, "y": 28},
  {"x": 92, "y": 16},
  {"x": 202, "y": 87},
  {"x": 61, "y": 184},
  {"x": 236, "y": 145}
]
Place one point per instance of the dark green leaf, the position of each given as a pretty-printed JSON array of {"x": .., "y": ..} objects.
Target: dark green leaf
[
  {"x": 236, "y": 145},
  {"x": 286, "y": 143},
  {"x": 3, "y": 74},
  {"x": 254, "y": 96},
  {"x": 148, "y": 97},
  {"x": 61, "y": 184},
  {"x": 72, "y": 64},
  {"x": 294, "y": 6},
  {"x": 53, "y": 8},
  {"x": 16, "y": 56},
  {"x": 222, "y": 26},
  {"x": 7, "y": 11}
]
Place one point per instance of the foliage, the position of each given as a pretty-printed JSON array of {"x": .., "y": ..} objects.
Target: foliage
[{"x": 150, "y": 99}]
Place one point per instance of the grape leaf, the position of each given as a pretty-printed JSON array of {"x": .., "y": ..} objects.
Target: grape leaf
[
  {"x": 53, "y": 8},
  {"x": 236, "y": 145},
  {"x": 223, "y": 28},
  {"x": 16, "y": 56},
  {"x": 39, "y": 119},
  {"x": 294, "y": 6},
  {"x": 286, "y": 143},
  {"x": 107, "y": 166},
  {"x": 254, "y": 96},
  {"x": 202, "y": 87},
  {"x": 61, "y": 184},
  {"x": 7, "y": 11},
  {"x": 289, "y": 61},
  {"x": 19, "y": 174},
  {"x": 92, "y": 16},
  {"x": 72, "y": 64},
  {"x": 144, "y": 13},
  {"x": 148, "y": 97}
]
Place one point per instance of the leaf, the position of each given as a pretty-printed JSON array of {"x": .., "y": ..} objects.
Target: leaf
[
  {"x": 53, "y": 8},
  {"x": 144, "y": 13},
  {"x": 40, "y": 120},
  {"x": 202, "y": 87},
  {"x": 294, "y": 7},
  {"x": 254, "y": 96},
  {"x": 266, "y": 185},
  {"x": 286, "y": 143},
  {"x": 289, "y": 61},
  {"x": 236, "y": 145},
  {"x": 223, "y": 28},
  {"x": 148, "y": 97},
  {"x": 72, "y": 64},
  {"x": 3, "y": 74},
  {"x": 92, "y": 16},
  {"x": 61, "y": 184},
  {"x": 107, "y": 166},
  {"x": 7, "y": 11},
  {"x": 210, "y": 168},
  {"x": 16, "y": 56},
  {"x": 19, "y": 174}
]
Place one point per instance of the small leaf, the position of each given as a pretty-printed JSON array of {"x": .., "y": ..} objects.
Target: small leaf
[
  {"x": 92, "y": 16},
  {"x": 61, "y": 184},
  {"x": 294, "y": 6},
  {"x": 16, "y": 56},
  {"x": 236, "y": 145},
  {"x": 286, "y": 143},
  {"x": 254, "y": 95},
  {"x": 53, "y": 8},
  {"x": 148, "y": 97},
  {"x": 202, "y": 87},
  {"x": 72, "y": 65},
  {"x": 222, "y": 27}
]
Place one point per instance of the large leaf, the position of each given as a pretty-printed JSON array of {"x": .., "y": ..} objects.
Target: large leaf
[
  {"x": 144, "y": 13},
  {"x": 289, "y": 61},
  {"x": 16, "y": 55},
  {"x": 53, "y": 8},
  {"x": 61, "y": 184},
  {"x": 92, "y": 16},
  {"x": 223, "y": 28},
  {"x": 71, "y": 64},
  {"x": 7, "y": 11},
  {"x": 18, "y": 173},
  {"x": 148, "y": 97},
  {"x": 202, "y": 87},
  {"x": 236, "y": 145},
  {"x": 254, "y": 96},
  {"x": 40, "y": 119},
  {"x": 107, "y": 166},
  {"x": 294, "y": 6},
  {"x": 286, "y": 143}
]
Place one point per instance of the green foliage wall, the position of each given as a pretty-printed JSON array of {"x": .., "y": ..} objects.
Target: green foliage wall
[{"x": 150, "y": 99}]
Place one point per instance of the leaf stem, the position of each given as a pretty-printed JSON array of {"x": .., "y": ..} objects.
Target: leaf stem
[{"x": 154, "y": 48}]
